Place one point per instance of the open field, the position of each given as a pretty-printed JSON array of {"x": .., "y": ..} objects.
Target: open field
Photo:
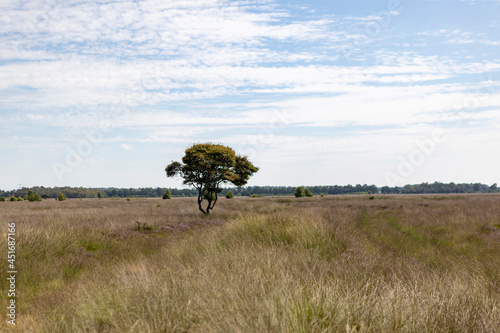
[{"x": 428, "y": 263}]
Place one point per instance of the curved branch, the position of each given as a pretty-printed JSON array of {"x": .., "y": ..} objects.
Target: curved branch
[
  {"x": 216, "y": 197},
  {"x": 200, "y": 200}
]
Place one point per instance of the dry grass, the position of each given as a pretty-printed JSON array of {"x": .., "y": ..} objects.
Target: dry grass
[{"x": 332, "y": 264}]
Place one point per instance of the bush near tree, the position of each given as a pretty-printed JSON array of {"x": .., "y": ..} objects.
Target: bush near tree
[
  {"x": 2, "y": 198},
  {"x": 308, "y": 193},
  {"x": 20, "y": 198},
  {"x": 167, "y": 194},
  {"x": 13, "y": 198},
  {"x": 210, "y": 195},
  {"x": 29, "y": 196},
  {"x": 61, "y": 196},
  {"x": 299, "y": 192},
  {"x": 33, "y": 196},
  {"x": 229, "y": 195}
]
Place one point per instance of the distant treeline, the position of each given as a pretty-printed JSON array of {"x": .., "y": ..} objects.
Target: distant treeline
[
  {"x": 150, "y": 192},
  {"x": 440, "y": 188}
]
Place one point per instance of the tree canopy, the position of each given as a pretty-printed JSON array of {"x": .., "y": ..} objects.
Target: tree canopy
[{"x": 207, "y": 166}]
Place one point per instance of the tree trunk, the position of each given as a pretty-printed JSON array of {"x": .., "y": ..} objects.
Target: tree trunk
[
  {"x": 210, "y": 204},
  {"x": 200, "y": 200}
]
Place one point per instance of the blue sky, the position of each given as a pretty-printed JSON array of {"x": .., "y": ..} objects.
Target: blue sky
[{"x": 107, "y": 93}]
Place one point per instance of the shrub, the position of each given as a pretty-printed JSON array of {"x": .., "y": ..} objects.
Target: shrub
[
  {"x": 20, "y": 198},
  {"x": 167, "y": 194},
  {"x": 128, "y": 199},
  {"x": 61, "y": 197},
  {"x": 13, "y": 198},
  {"x": 209, "y": 197},
  {"x": 299, "y": 192},
  {"x": 99, "y": 195},
  {"x": 254, "y": 195},
  {"x": 37, "y": 197},
  {"x": 2, "y": 198},
  {"x": 372, "y": 197},
  {"x": 229, "y": 195},
  {"x": 322, "y": 195},
  {"x": 308, "y": 193},
  {"x": 30, "y": 196}
]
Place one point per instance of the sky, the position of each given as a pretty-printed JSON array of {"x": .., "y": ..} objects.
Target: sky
[{"x": 107, "y": 93}]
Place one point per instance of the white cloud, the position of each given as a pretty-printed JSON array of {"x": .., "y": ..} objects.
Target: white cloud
[
  {"x": 77, "y": 82},
  {"x": 459, "y": 37}
]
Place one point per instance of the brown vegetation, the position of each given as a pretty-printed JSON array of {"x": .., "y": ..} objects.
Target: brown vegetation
[{"x": 333, "y": 264}]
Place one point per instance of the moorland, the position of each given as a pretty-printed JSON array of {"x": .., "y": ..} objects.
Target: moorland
[{"x": 392, "y": 263}]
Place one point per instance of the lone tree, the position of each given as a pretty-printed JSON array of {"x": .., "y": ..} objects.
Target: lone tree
[{"x": 207, "y": 166}]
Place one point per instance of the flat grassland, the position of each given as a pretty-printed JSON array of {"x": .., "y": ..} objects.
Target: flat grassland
[{"x": 428, "y": 263}]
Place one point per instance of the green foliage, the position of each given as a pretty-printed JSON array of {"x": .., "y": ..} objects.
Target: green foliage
[
  {"x": 212, "y": 196},
  {"x": 229, "y": 195},
  {"x": 61, "y": 196},
  {"x": 29, "y": 196},
  {"x": 299, "y": 192},
  {"x": 322, "y": 195},
  {"x": 167, "y": 194},
  {"x": 254, "y": 195},
  {"x": 149, "y": 192},
  {"x": 128, "y": 199},
  {"x": 372, "y": 197},
  {"x": 207, "y": 166},
  {"x": 308, "y": 193},
  {"x": 99, "y": 195},
  {"x": 13, "y": 198},
  {"x": 20, "y": 199},
  {"x": 2, "y": 198},
  {"x": 32, "y": 196}
]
